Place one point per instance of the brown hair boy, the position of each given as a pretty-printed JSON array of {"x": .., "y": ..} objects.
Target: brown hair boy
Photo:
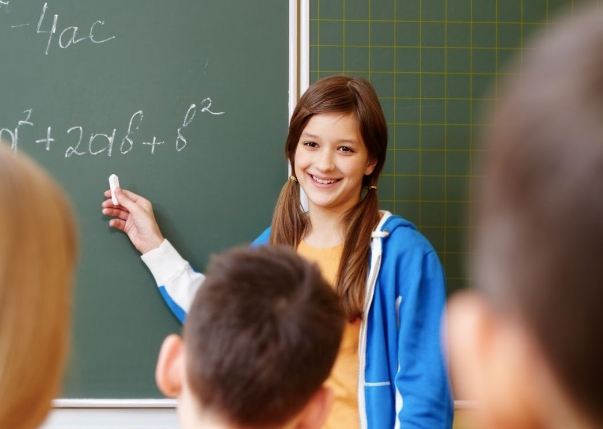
[{"x": 260, "y": 339}]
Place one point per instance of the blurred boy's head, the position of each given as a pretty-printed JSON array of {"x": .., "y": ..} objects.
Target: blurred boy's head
[
  {"x": 259, "y": 341},
  {"x": 529, "y": 343}
]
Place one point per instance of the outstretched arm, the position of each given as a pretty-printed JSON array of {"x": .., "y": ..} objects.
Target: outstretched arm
[{"x": 177, "y": 280}]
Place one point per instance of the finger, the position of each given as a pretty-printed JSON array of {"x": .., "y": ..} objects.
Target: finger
[
  {"x": 141, "y": 201},
  {"x": 116, "y": 213},
  {"x": 108, "y": 204},
  {"x": 107, "y": 193},
  {"x": 125, "y": 201},
  {"x": 118, "y": 223},
  {"x": 131, "y": 195}
]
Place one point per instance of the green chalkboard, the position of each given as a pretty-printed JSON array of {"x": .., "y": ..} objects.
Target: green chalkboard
[
  {"x": 186, "y": 101},
  {"x": 435, "y": 65}
]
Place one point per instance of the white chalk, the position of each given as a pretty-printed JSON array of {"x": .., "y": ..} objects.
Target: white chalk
[{"x": 113, "y": 183}]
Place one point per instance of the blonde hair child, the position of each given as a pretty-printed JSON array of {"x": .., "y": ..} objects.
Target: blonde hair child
[{"x": 37, "y": 258}]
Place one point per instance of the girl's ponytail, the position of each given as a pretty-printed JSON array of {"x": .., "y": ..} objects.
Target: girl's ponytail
[
  {"x": 359, "y": 224},
  {"x": 289, "y": 221}
]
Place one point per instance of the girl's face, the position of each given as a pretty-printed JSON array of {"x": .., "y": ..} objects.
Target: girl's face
[{"x": 331, "y": 160}]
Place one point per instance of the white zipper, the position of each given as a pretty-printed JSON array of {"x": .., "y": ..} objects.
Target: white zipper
[{"x": 376, "y": 251}]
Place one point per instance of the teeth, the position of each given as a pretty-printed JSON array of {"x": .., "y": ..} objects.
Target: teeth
[{"x": 323, "y": 182}]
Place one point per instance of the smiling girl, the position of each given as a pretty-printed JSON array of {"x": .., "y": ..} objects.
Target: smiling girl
[{"x": 390, "y": 371}]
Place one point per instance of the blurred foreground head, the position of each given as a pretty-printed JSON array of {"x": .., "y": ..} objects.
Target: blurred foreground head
[
  {"x": 37, "y": 258},
  {"x": 529, "y": 343},
  {"x": 260, "y": 339}
]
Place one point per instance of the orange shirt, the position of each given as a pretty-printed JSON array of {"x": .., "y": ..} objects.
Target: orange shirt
[{"x": 343, "y": 380}]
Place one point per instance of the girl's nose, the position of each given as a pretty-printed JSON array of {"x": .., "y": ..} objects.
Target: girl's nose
[{"x": 325, "y": 161}]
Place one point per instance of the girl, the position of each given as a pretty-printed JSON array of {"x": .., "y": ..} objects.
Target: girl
[
  {"x": 390, "y": 371},
  {"x": 36, "y": 231}
]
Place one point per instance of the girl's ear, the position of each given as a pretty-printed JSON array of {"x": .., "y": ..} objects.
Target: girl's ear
[
  {"x": 370, "y": 167},
  {"x": 169, "y": 372}
]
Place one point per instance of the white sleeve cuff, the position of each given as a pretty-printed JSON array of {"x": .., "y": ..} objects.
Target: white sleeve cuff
[{"x": 164, "y": 262}]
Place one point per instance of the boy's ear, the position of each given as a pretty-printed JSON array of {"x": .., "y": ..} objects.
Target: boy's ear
[
  {"x": 169, "y": 372},
  {"x": 491, "y": 361},
  {"x": 466, "y": 335},
  {"x": 315, "y": 413}
]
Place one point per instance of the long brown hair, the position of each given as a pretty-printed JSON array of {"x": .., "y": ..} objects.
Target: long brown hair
[
  {"x": 338, "y": 94},
  {"x": 37, "y": 258}
]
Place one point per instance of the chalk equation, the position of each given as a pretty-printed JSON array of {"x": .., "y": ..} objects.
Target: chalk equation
[
  {"x": 48, "y": 26},
  {"x": 80, "y": 143}
]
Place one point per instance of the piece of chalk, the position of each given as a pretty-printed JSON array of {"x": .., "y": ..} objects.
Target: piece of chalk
[{"x": 113, "y": 183}]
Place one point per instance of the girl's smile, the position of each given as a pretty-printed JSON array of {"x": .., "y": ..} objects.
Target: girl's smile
[{"x": 323, "y": 181}]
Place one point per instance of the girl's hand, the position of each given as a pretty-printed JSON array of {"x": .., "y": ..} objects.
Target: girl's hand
[{"x": 134, "y": 216}]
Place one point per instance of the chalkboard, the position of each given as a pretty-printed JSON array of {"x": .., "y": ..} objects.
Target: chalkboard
[
  {"x": 186, "y": 101},
  {"x": 435, "y": 65}
]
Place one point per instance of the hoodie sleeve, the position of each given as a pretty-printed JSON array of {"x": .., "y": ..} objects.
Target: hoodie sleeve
[
  {"x": 423, "y": 396},
  {"x": 178, "y": 282},
  {"x": 176, "y": 279}
]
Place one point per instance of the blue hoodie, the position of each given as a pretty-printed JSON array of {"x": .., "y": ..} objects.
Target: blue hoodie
[{"x": 403, "y": 381}]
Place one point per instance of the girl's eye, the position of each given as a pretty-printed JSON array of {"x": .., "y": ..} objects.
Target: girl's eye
[
  {"x": 311, "y": 144},
  {"x": 346, "y": 149}
]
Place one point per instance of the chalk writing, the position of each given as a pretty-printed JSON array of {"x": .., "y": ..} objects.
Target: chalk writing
[
  {"x": 206, "y": 108},
  {"x": 47, "y": 140},
  {"x": 138, "y": 117},
  {"x": 73, "y": 150},
  {"x": 153, "y": 144},
  {"x": 108, "y": 147},
  {"x": 14, "y": 134},
  {"x": 69, "y": 36},
  {"x": 188, "y": 118},
  {"x": 96, "y": 143}
]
